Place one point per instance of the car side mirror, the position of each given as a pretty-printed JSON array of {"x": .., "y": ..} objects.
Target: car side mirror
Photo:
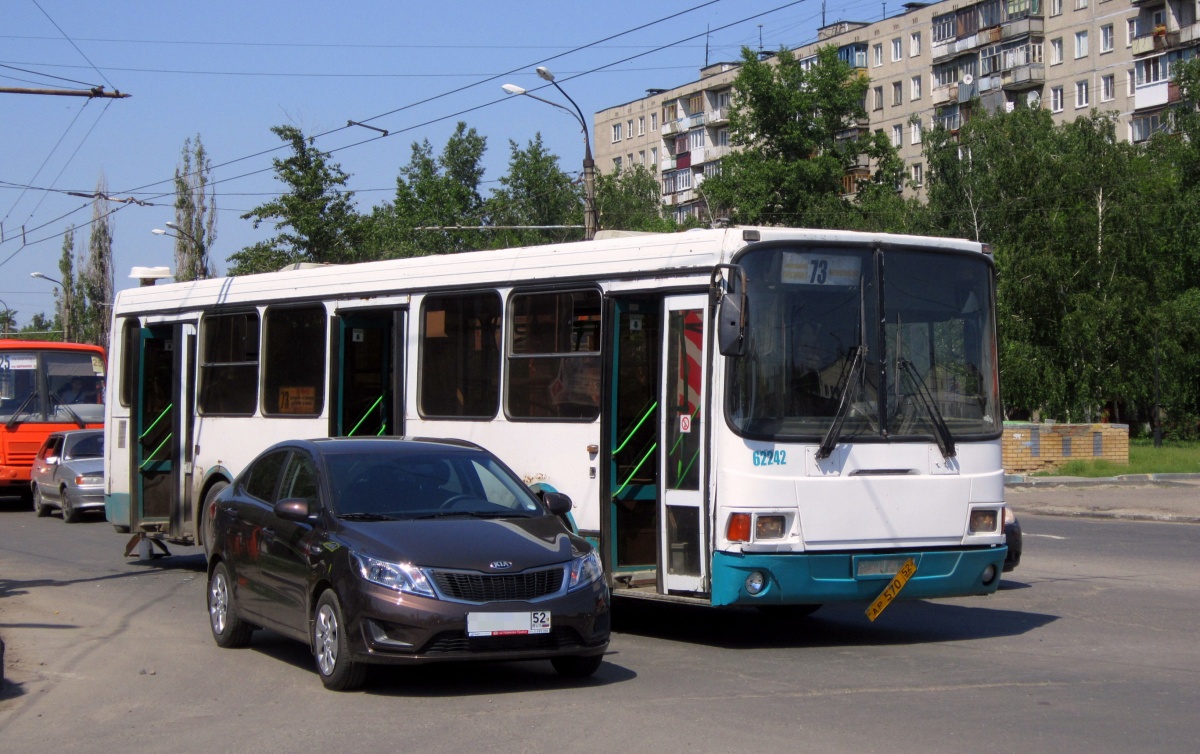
[
  {"x": 558, "y": 503},
  {"x": 294, "y": 509}
]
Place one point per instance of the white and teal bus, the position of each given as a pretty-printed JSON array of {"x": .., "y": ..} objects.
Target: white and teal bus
[{"x": 747, "y": 416}]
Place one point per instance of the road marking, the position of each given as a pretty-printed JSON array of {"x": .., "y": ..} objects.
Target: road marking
[{"x": 1045, "y": 536}]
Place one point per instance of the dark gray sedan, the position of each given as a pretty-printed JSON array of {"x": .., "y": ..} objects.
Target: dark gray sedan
[
  {"x": 399, "y": 551},
  {"x": 68, "y": 473}
]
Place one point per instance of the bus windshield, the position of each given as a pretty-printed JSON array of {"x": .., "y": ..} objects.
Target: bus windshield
[
  {"x": 926, "y": 336},
  {"x": 51, "y": 386}
]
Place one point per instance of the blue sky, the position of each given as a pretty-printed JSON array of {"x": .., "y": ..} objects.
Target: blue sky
[{"x": 229, "y": 71}]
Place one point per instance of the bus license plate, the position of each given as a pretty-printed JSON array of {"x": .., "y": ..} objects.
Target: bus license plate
[
  {"x": 508, "y": 624},
  {"x": 893, "y": 588},
  {"x": 880, "y": 566}
]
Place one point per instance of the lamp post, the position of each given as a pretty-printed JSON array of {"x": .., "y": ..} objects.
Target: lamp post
[
  {"x": 201, "y": 259},
  {"x": 66, "y": 307},
  {"x": 589, "y": 165}
]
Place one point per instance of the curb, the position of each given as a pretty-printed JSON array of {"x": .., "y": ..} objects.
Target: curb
[{"x": 1127, "y": 480}]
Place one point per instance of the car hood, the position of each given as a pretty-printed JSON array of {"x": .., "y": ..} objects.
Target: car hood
[
  {"x": 467, "y": 543},
  {"x": 85, "y": 465}
]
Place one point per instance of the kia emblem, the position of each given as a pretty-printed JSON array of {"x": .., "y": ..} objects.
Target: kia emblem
[{"x": 499, "y": 565}]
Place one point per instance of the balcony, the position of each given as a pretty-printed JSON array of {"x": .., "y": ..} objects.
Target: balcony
[
  {"x": 666, "y": 165},
  {"x": 1156, "y": 42},
  {"x": 1151, "y": 95},
  {"x": 943, "y": 95},
  {"x": 696, "y": 120},
  {"x": 717, "y": 117},
  {"x": 672, "y": 127},
  {"x": 1023, "y": 27},
  {"x": 712, "y": 154},
  {"x": 1025, "y": 77},
  {"x": 949, "y": 122}
]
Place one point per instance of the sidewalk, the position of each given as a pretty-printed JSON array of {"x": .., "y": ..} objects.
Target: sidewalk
[{"x": 1131, "y": 497}]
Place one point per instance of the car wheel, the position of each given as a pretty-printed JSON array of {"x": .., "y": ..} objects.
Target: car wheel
[
  {"x": 206, "y": 524},
  {"x": 69, "y": 512},
  {"x": 574, "y": 666},
  {"x": 337, "y": 669},
  {"x": 39, "y": 504},
  {"x": 228, "y": 630}
]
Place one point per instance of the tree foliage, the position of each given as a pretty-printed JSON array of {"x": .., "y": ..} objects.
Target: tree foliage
[
  {"x": 93, "y": 296},
  {"x": 195, "y": 213},
  {"x": 315, "y": 218},
  {"x": 795, "y": 127},
  {"x": 631, "y": 199},
  {"x": 535, "y": 192}
]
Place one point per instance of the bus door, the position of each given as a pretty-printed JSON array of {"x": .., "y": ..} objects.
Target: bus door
[
  {"x": 632, "y": 428},
  {"x": 684, "y": 530},
  {"x": 369, "y": 375},
  {"x": 157, "y": 424}
]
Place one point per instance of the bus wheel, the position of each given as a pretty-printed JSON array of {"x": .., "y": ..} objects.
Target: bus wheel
[
  {"x": 573, "y": 666},
  {"x": 338, "y": 670},
  {"x": 39, "y": 504},
  {"x": 787, "y": 612}
]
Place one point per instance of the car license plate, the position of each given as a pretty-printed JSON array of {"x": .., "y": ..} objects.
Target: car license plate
[{"x": 508, "y": 624}]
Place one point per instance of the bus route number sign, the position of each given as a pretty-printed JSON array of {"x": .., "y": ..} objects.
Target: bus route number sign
[{"x": 893, "y": 588}]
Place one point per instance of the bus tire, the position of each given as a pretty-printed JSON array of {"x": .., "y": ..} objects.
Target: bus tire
[
  {"x": 228, "y": 630},
  {"x": 39, "y": 504}
]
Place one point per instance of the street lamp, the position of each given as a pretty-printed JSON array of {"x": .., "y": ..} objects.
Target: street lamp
[
  {"x": 589, "y": 166},
  {"x": 201, "y": 252},
  {"x": 66, "y": 307}
]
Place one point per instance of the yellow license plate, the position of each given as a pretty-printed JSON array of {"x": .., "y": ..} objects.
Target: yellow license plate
[{"x": 892, "y": 589}]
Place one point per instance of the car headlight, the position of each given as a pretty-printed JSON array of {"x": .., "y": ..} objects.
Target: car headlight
[
  {"x": 585, "y": 570},
  {"x": 403, "y": 577}
]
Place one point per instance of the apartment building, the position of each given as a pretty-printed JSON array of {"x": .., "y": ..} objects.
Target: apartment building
[{"x": 930, "y": 65}]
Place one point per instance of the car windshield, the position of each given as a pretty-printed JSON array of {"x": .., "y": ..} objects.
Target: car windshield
[
  {"x": 87, "y": 446},
  {"x": 388, "y": 484}
]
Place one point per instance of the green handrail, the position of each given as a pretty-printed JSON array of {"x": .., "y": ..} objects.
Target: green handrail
[
  {"x": 636, "y": 427},
  {"x": 365, "y": 415},
  {"x": 633, "y": 473},
  {"x": 156, "y": 421},
  {"x": 160, "y": 446}
]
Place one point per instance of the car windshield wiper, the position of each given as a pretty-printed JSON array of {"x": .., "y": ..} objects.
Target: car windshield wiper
[
  {"x": 366, "y": 517},
  {"x": 839, "y": 418},
  {"x": 941, "y": 432},
  {"x": 477, "y": 514}
]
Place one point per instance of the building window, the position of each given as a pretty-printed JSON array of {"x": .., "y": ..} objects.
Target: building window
[
  {"x": 877, "y": 54},
  {"x": 722, "y": 139},
  {"x": 653, "y": 121},
  {"x": 878, "y": 98},
  {"x": 629, "y": 160},
  {"x": 1130, "y": 31},
  {"x": 641, "y": 125},
  {"x": 1106, "y": 38},
  {"x": 554, "y": 355},
  {"x": 1152, "y": 70},
  {"x": 1108, "y": 88},
  {"x": 1081, "y": 94},
  {"x": 294, "y": 361},
  {"x": 897, "y": 50},
  {"x": 1056, "y": 99},
  {"x": 945, "y": 75},
  {"x": 914, "y": 89},
  {"x": 229, "y": 364},
  {"x": 1056, "y": 7},
  {"x": 897, "y": 135},
  {"x": 1056, "y": 51},
  {"x": 459, "y": 372},
  {"x": 916, "y": 132},
  {"x": 1081, "y": 44},
  {"x": 629, "y": 129},
  {"x": 641, "y": 157},
  {"x": 696, "y": 139},
  {"x": 918, "y": 175},
  {"x": 616, "y": 132},
  {"x": 944, "y": 28},
  {"x": 914, "y": 44},
  {"x": 683, "y": 179},
  {"x": 1142, "y": 128},
  {"x": 654, "y": 158},
  {"x": 616, "y": 164},
  {"x": 1081, "y": 4},
  {"x": 897, "y": 94}
]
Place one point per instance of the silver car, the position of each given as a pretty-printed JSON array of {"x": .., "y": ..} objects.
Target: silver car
[{"x": 68, "y": 473}]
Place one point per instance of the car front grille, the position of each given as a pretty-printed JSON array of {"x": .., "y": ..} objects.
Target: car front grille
[{"x": 510, "y": 587}]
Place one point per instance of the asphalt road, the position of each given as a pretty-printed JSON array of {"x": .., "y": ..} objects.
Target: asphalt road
[{"x": 1088, "y": 647}]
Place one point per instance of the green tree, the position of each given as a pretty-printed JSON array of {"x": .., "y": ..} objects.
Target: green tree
[
  {"x": 195, "y": 213},
  {"x": 315, "y": 218},
  {"x": 8, "y": 321},
  {"x": 96, "y": 286},
  {"x": 40, "y": 327},
  {"x": 65, "y": 309},
  {"x": 796, "y": 129},
  {"x": 537, "y": 192},
  {"x": 631, "y": 199},
  {"x": 438, "y": 195}
]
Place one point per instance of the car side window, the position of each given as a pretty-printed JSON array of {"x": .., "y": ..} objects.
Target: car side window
[
  {"x": 300, "y": 480},
  {"x": 52, "y": 449},
  {"x": 263, "y": 477}
]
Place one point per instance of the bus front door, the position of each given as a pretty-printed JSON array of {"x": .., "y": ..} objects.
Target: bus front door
[
  {"x": 369, "y": 375},
  {"x": 684, "y": 532},
  {"x": 158, "y": 427},
  {"x": 632, "y": 428}
]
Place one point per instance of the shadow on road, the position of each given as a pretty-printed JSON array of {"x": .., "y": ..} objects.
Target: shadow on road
[
  {"x": 191, "y": 562},
  {"x": 914, "y": 622}
]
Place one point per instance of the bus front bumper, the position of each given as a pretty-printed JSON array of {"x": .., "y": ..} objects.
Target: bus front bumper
[{"x": 818, "y": 578}]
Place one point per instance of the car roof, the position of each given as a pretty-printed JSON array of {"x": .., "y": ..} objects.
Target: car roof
[{"x": 340, "y": 445}]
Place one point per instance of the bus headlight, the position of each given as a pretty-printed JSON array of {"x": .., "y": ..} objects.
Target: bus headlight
[
  {"x": 984, "y": 521},
  {"x": 768, "y": 527}
]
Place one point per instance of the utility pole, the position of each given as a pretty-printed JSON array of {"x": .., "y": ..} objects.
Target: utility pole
[{"x": 92, "y": 93}]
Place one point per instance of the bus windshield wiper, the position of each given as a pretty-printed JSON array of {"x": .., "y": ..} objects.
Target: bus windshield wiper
[
  {"x": 844, "y": 391},
  {"x": 56, "y": 401},
  {"x": 941, "y": 432},
  {"x": 12, "y": 421}
]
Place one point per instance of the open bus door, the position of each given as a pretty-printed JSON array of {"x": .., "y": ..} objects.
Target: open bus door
[
  {"x": 163, "y": 431},
  {"x": 368, "y": 374}
]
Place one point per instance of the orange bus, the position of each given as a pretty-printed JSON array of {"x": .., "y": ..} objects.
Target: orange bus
[{"x": 44, "y": 387}]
